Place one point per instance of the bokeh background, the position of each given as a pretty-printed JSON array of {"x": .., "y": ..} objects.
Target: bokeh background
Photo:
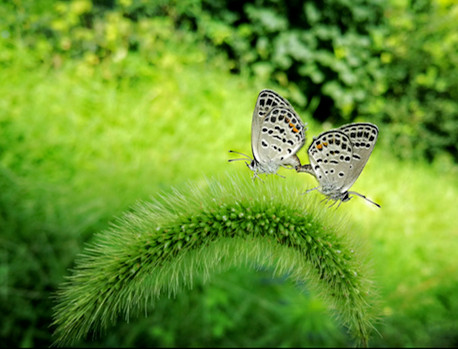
[{"x": 105, "y": 103}]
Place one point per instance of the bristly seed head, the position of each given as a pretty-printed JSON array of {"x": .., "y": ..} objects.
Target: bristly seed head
[{"x": 184, "y": 242}]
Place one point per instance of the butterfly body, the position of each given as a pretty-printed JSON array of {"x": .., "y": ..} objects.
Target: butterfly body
[
  {"x": 277, "y": 134},
  {"x": 337, "y": 158}
]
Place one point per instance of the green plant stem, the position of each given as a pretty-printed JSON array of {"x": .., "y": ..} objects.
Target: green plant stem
[{"x": 161, "y": 246}]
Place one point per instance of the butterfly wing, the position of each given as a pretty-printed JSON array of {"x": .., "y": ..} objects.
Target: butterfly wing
[
  {"x": 280, "y": 137},
  {"x": 267, "y": 100},
  {"x": 330, "y": 157},
  {"x": 363, "y": 136}
]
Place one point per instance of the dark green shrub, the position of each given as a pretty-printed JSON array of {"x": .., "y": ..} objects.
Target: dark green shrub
[{"x": 324, "y": 51}]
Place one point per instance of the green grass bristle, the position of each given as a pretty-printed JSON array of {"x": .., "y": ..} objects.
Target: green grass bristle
[{"x": 163, "y": 245}]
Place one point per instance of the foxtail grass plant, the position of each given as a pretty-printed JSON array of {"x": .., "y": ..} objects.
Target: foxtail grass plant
[{"x": 166, "y": 244}]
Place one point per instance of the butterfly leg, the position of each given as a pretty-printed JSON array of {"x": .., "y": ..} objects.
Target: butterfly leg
[
  {"x": 288, "y": 167},
  {"x": 327, "y": 200},
  {"x": 335, "y": 202},
  {"x": 255, "y": 172},
  {"x": 255, "y": 175},
  {"x": 309, "y": 190}
]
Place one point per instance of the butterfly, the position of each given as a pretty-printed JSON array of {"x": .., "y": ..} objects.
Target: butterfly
[
  {"x": 337, "y": 158},
  {"x": 277, "y": 134}
]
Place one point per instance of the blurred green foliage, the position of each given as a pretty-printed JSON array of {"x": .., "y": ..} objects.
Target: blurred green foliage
[
  {"x": 421, "y": 99},
  {"x": 105, "y": 103},
  {"x": 341, "y": 60}
]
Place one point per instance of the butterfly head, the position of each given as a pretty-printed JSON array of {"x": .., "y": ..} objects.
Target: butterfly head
[
  {"x": 338, "y": 196},
  {"x": 344, "y": 197},
  {"x": 334, "y": 193},
  {"x": 253, "y": 165}
]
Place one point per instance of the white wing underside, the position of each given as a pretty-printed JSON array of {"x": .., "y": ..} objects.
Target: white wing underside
[
  {"x": 337, "y": 157},
  {"x": 363, "y": 137},
  {"x": 277, "y": 132},
  {"x": 330, "y": 157}
]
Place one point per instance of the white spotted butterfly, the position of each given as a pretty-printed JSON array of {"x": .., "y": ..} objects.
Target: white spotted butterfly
[
  {"x": 277, "y": 134},
  {"x": 337, "y": 158}
]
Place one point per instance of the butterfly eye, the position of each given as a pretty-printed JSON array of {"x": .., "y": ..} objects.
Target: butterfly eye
[{"x": 346, "y": 197}]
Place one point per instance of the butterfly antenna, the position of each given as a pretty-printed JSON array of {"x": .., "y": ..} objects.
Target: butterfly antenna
[
  {"x": 240, "y": 159},
  {"x": 246, "y": 157},
  {"x": 362, "y": 196}
]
